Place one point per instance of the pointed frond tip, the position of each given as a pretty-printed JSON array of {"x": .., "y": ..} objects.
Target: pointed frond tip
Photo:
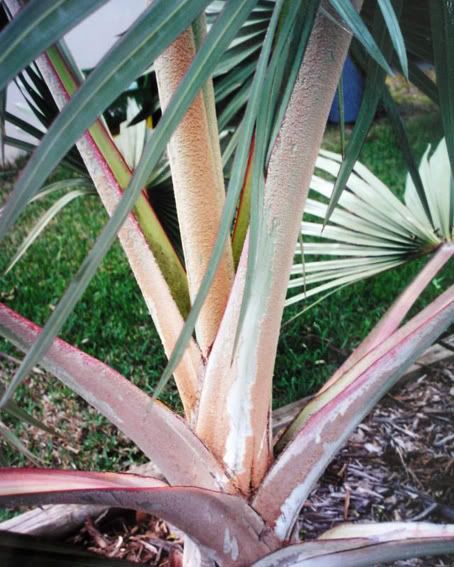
[{"x": 371, "y": 230}]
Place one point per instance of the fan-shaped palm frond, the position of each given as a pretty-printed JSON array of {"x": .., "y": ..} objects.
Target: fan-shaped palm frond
[
  {"x": 131, "y": 138},
  {"x": 370, "y": 230}
]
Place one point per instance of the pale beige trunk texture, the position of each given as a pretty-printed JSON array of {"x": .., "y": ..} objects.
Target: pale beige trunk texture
[
  {"x": 199, "y": 28},
  {"x": 234, "y": 415},
  {"x": 154, "y": 288},
  {"x": 199, "y": 188}
]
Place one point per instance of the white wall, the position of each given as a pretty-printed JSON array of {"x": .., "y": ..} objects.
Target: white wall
[{"x": 88, "y": 42}]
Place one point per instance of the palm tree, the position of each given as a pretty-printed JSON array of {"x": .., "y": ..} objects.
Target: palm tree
[{"x": 224, "y": 482}]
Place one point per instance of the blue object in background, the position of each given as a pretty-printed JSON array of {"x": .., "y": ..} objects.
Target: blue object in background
[{"x": 353, "y": 83}]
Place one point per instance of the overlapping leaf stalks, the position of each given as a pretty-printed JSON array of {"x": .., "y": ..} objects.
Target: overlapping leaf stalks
[{"x": 235, "y": 494}]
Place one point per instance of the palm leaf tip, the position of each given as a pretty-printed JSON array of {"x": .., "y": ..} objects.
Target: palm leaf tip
[
  {"x": 132, "y": 137},
  {"x": 370, "y": 230},
  {"x": 437, "y": 179}
]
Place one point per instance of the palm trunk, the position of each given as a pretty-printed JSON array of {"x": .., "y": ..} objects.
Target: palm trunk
[
  {"x": 199, "y": 188},
  {"x": 155, "y": 290},
  {"x": 242, "y": 438}
]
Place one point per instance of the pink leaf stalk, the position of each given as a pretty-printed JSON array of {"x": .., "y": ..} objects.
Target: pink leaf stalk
[
  {"x": 199, "y": 188},
  {"x": 144, "y": 264},
  {"x": 163, "y": 436},
  {"x": 235, "y": 535},
  {"x": 330, "y": 421},
  {"x": 399, "y": 309},
  {"x": 363, "y": 545}
]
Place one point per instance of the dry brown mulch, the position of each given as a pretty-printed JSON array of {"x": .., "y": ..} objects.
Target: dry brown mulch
[
  {"x": 136, "y": 537},
  {"x": 398, "y": 465}
]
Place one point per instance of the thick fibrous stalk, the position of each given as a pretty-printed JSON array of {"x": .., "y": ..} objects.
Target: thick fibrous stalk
[
  {"x": 218, "y": 376},
  {"x": 235, "y": 406},
  {"x": 333, "y": 415},
  {"x": 156, "y": 292},
  {"x": 398, "y": 310},
  {"x": 199, "y": 188},
  {"x": 199, "y": 28},
  {"x": 162, "y": 435}
]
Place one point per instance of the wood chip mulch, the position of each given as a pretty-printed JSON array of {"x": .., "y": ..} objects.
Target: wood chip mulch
[
  {"x": 136, "y": 537},
  {"x": 398, "y": 465}
]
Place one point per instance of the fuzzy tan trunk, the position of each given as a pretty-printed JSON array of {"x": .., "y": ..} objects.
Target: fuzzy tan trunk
[
  {"x": 154, "y": 288},
  {"x": 234, "y": 414},
  {"x": 199, "y": 28},
  {"x": 199, "y": 187}
]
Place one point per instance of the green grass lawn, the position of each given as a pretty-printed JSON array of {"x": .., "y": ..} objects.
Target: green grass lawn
[{"x": 112, "y": 323}]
